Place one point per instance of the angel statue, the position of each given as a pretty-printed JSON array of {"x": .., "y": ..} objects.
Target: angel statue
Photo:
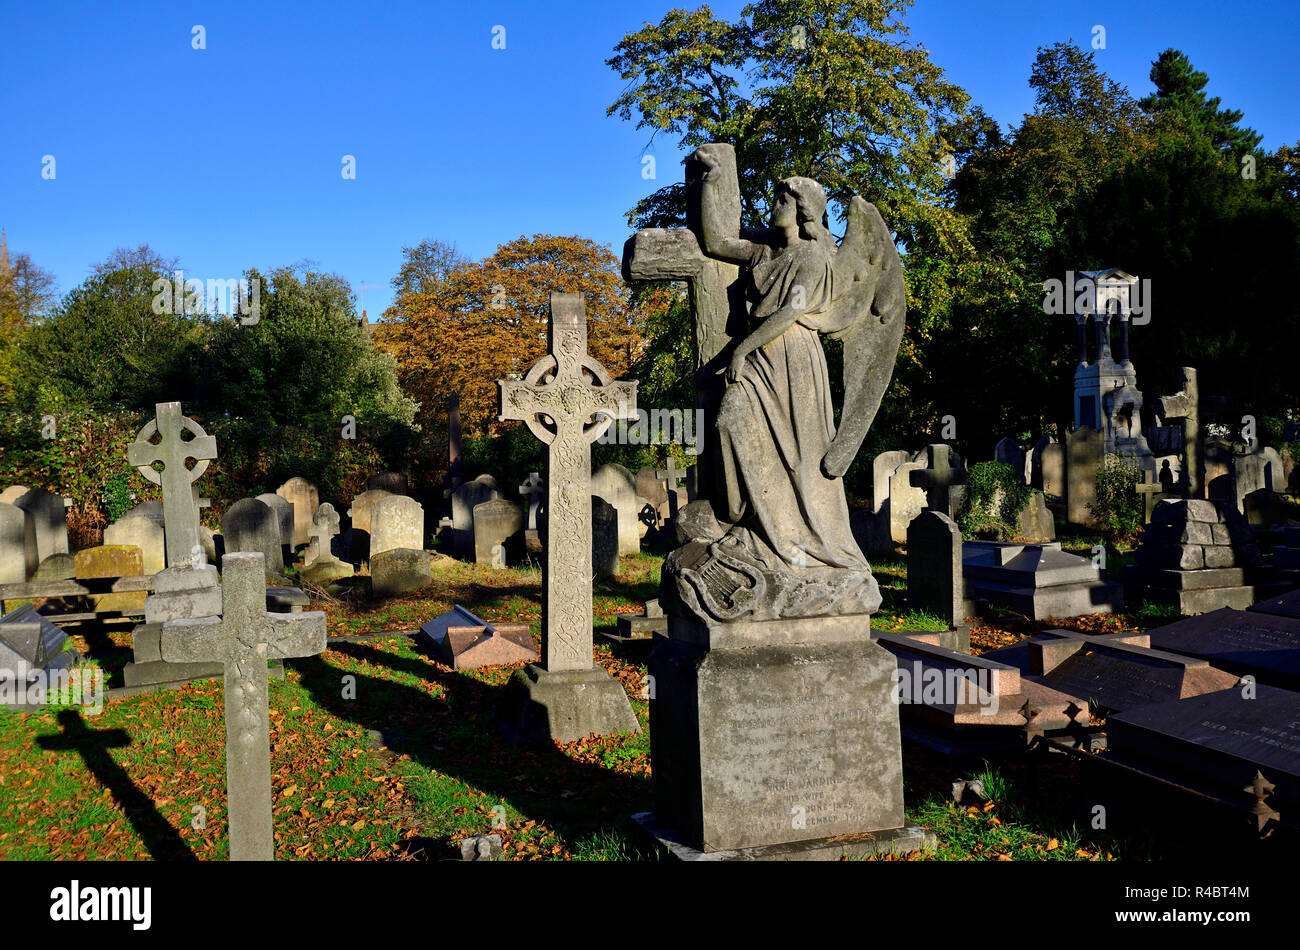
[{"x": 773, "y": 539}]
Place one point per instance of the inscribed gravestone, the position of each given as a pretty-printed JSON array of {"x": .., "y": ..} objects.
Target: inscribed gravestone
[
  {"x": 17, "y": 545},
  {"x": 463, "y": 502},
  {"x": 1247, "y": 642},
  {"x": 650, "y": 487},
  {"x": 883, "y": 467},
  {"x": 1009, "y": 452},
  {"x": 111, "y": 561},
  {"x": 399, "y": 571},
  {"x": 498, "y": 529},
  {"x": 362, "y": 511},
  {"x": 153, "y": 510},
  {"x": 243, "y": 639},
  {"x": 251, "y": 526},
  {"x": 396, "y": 522},
  {"x": 144, "y": 534},
  {"x": 604, "y": 538},
  {"x": 617, "y": 486},
  {"x": 305, "y": 499},
  {"x": 49, "y": 518}
]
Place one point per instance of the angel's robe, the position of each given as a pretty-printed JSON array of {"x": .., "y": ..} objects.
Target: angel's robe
[{"x": 776, "y": 422}]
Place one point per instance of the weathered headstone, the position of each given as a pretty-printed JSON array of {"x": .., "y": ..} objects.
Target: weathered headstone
[
  {"x": 650, "y": 487},
  {"x": 617, "y": 485},
  {"x": 392, "y": 482},
  {"x": 1252, "y": 642},
  {"x": 399, "y": 571},
  {"x": 604, "y": 538},
  {"x": 181, "y": 518},
  {"x": 396, "y": 522},
  {"x": 49, "y": 519},
  {"x": 242, "y": 640},
  {"x": 1008, "y": 452},
  {"x": 934, "y": 575},
  {"x": 251, "y": 526},
  {"x": 56, "y": 567},
  {"x": 31, "y": 645},
  {"x": 1184, "y": 407},
  {"x": 12, "y": 494},
  {"x": 17, "y": 545},
  {"x": 883, "y": 467},
  {"x": 464, "y": 500},
  {"x": 153, "y": 510},
  {"x": 567, "y": 696},
  {"x": 941, "y": 479},
  {"x": 1083, "y": 459},
  {"x": 111, "y": 561},
  {"x": 1035, "y": 523},
  {"x": 305, "y": 499},
  {"x": 498, "y": 533},
  {"x": 283, "y": 518},
  {"x": 672, "y": 476},
  {"x": 145, "y": 534},
  {"x": 362, "y": 512}
]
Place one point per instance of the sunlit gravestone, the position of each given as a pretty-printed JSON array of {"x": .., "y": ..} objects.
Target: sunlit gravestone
[{"x": 180, "y": 516}]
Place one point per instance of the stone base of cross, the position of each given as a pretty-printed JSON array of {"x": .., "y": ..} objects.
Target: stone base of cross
[
  {"x": 243, "y": 638},
  {"x": 568, "y": 400}
]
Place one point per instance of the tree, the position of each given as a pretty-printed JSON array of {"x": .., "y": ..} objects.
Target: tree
[
  {"x": 105, "y": 345},
  {"x": 26, "y": 295},
  {"x": 485, "y": 320},
  {"x": 305, "y": 361},
  {"x": 426, "y": 267},
  {"x": 1180, "y": 91}
]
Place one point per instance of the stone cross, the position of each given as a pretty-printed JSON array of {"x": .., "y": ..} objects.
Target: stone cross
[
  {"x": 1185, "y": 405},
  {"x": 671, "y": 476},
  {"x": 938, "y": 478},
  {"x": 567, "y": 399},
  {"x": 324, "y": 526},
  {"x": 180, "y": 512},
  {"x": 243, "y": 638},
  {"x": 676, "y": 254},
  {"x": 1148, "y": 488},
  {"x": 533, "y": 489}
]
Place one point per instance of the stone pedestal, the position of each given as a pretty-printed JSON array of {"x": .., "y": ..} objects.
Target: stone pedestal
[
  {"x": 540, "y": 705},
  {"x": 768, "y": 738}
]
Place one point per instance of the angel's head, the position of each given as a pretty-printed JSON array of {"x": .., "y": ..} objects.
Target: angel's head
[{"x": 802, "y": 201}]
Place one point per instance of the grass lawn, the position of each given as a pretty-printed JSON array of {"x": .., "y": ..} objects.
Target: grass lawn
[{"x": 380, "y": 753}]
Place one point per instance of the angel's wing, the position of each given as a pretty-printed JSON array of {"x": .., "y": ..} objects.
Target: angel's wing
[{"x": 868, "y": 316}]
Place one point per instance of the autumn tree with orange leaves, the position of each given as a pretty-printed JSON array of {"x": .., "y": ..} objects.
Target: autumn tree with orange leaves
[{"x": 458, "y": 326}]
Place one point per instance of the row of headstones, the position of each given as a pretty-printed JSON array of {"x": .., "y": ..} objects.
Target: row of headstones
[
  {"x": 497, "y": 532},
  {"x": 33, "y": 529}
]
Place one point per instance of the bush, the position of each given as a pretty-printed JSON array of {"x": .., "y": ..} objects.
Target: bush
[
  {"x": 995, "y": 496},
  {"x": 1118, "y": 508}
]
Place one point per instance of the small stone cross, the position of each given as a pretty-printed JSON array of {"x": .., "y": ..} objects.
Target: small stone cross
[
  {"x": 938, "y": 478},
  {"x": 567, "y": 399},
  {"x": 180, "y": 512},
  {"x": 323, "y": 528},
  {"x": 1148, "y": 488},
  {"x": 243, "y": 638},
  {"x": 533, "y": 489},
  {"x": 671, "y": 476}
]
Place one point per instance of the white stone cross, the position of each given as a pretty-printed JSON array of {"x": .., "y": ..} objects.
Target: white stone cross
[
  {"x": 533, "y": 489},
  {"x": 243, "y": 638},
  {"x": 180, "y": 513},
  {"x": 567, "y": 399}
]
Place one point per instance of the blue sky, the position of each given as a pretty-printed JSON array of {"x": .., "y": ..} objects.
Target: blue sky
[{"x": 230, "y": 157}]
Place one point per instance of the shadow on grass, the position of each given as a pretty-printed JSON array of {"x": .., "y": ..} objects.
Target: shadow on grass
[
  {"x": 163, "y": 841},
  {"x": 456, "y": 735}
]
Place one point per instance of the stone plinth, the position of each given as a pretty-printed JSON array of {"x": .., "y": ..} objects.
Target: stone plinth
[{"x": 774, "y": 733}]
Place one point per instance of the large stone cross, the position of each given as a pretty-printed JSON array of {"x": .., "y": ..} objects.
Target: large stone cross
[
  {"x": 567, "y": 399},
  {"x": 180, "y": 513},
  {"x": 243, "y": 638},
  {"x": 676, "y": 254},
  {"x": 938, "y": 478}
]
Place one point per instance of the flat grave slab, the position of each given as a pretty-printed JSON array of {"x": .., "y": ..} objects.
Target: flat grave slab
[{"x": 1263, "y": 645}]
